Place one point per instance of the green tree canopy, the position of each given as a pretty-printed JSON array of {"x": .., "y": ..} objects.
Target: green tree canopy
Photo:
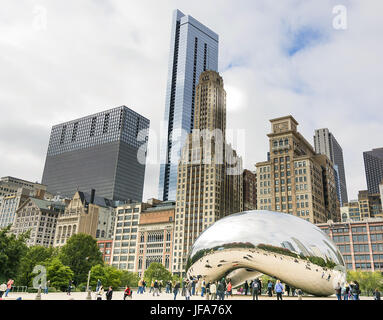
[
  {"x": 368, "y": 281},
  {"x": 58, "y": 274},
  {"x": 129, "y": 279},
  {"x": 108, "y": 275},
  {"x": 157, "y": 271},
  {"x": 34, "y": 256},
  {"x": 81, "y": 253},
  {"x": 12, "y": 249}
]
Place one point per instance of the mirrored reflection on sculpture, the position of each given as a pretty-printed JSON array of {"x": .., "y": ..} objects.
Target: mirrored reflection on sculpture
[{"x": 246, "y": 245}]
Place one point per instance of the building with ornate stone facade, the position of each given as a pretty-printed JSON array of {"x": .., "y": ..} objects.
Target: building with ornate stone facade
[
  {"x": 39, "y": 216},
  {"x": 295, "y": 179},
  {"x": 86, "y": 213},
  {"x": 155, "y": 236},
  {"x": 209, "y": 185}
]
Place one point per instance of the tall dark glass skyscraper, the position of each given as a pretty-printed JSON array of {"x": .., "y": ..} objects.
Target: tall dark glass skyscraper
[
  {"x": 373, "y": 164},
  {"x": 193, "y": 49},
  {"x": 105, "y": 151},
  {"x": 325, "y": 143}
]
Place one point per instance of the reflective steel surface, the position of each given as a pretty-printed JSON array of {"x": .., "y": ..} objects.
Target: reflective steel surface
[{"x": 245, "y": 245}]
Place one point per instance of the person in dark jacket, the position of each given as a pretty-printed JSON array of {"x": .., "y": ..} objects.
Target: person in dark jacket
[
  {"x": 221, "y": 290},
  {"x": 109, "y": 293},
  {"x": 355, "y": 291},
  {"x": 270, "y": 288},
  {"x": 69, "y": 287},
  {"x": 376, "y": 294},
  {"x": 176, "y": 289},
  {"x": 246, "y": 287}
]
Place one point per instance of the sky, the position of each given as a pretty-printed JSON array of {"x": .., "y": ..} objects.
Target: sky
[{"x": 61, "y": 60}]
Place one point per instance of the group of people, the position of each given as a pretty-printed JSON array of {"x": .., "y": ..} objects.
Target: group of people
[
  {"x": 255, "y": 287},
  {"x": 208, "y": 289},
  {"x": 351, "y": 291}
]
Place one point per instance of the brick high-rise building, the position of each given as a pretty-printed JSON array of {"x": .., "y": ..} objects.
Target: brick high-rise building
[
  {"x": 249, "y": 190},
  {"x": 373, "y": 165},
  {"x": 361, "y": 243},
  {"x": 295, "y": 179},
  {"x": 209, "y": 173}
]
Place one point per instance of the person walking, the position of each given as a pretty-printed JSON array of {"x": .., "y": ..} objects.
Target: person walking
[
  {"x": 109, "y": 294},
  {"x": 143, "y": 286},
  {"x": 246, "y": 287},
  {"x": 279, "y": 289},
  {"x": 160, "y": 286},
  {"x": 221, "y": 289},
  {"x": 128, "y": 293},
  {"x": 69, "y": 287},
  {"x": 293, "y": 291},
  {"x": 354, "y": 288},
  {"x": 344, "y": 291},
  {"x": 270, "y": 288},
  {"x": 188, "y": 290},
  {"x": 98, "y": 284},
  {"x": 176, "y": 289},
  {"x": 151, "y": 287},
  {"x": 255, "y": 290},
  {"x": 376, "y": 294},
  {"x": 3, "y": 288},
  {"x": 156, "y": 290},
  {"x": 167, "y": 288},
  {"x": 203, "y": 287},
  {"x": 208, "y": 290},
  {"x": 193, "y": 286},
  {"x": 213, "y": 291},
  {"x": 99, "y": 293},
  {"x": 47, "y": 284},
  {"x": 9, "y": 286},
  {"x": 338, "y": 291},
  {"x": 140, "y": 291},
  {"x": 198, "y": 287}
]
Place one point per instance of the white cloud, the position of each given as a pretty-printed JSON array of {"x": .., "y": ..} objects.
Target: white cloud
[{"x": 94, "y": 55}]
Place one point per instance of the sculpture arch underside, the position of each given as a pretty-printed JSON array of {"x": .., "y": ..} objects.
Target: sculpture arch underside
[{"x": 244, "y": 246}]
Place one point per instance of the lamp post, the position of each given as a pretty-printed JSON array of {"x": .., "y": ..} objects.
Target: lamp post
[{"x": 88, "y": 297}]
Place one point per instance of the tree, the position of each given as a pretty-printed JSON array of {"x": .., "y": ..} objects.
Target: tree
[
  {"x": 81, "y": 253},
  {"x": 157, "y": 271},
  {"x": 34, "y": 256},
  {"x": 109, "y": 276},
  {"x": 129, "y": 279},
  {"x": 58, "y": 274},
  {"x": 368, "y": 281},
  {"x": 12, "y": 249}
]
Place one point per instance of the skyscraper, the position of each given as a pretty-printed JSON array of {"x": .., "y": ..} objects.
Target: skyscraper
[
  {"x": 325, "y": 143},
  {"x": 99, "y": 152},
  {"x": 373, "y": 165},
  {"x": 193, "y": 49},
  {"x": 295, "y": 179},
  {"x": 210, "y": 181}
]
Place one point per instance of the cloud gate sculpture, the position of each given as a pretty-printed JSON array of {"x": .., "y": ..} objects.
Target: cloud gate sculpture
[{"x": 245, "y": 245}]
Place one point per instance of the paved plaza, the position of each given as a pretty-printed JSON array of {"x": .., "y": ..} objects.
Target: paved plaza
[{"x": 118, "y": 295}]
